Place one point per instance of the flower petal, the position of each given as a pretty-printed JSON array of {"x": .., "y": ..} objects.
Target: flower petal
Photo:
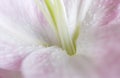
[
  {"x": 12, "y": 53},
  {"x": 109, "y": 41},
  {"x": 9, "y": 74},
  {"x": 100, "y": 37},
  {"x": 94, "y": 23},
  {"x": 52, "y": 63},
  {"x": 102, "y": 12},
  {"x": 24, "y": 20}
]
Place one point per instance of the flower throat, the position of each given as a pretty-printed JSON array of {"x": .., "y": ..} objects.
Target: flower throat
[{"x": 56, "y": 17}]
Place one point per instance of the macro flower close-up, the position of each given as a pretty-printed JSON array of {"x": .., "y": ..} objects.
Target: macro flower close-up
[{"x": 59, "y": 38}]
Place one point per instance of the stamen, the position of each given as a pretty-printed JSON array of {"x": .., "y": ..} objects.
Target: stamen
[{"x": 58, "y": 16}]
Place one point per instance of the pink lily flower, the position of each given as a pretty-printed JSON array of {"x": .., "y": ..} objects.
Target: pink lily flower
[{"x": 59, "y": 39}]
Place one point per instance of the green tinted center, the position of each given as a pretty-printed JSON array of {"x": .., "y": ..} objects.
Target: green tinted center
[{"x": 58, "y": 16}]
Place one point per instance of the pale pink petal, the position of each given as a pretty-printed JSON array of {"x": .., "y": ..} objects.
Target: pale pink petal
[
  {"x": 99, "y": 41},
  {"x": 100, "y": 37},
  {"x": 12, "y": 52},
  {"x": 54, "y": 63},
  {"x": 24, "y": 19},
  {"x": 9, "y": 74},
  {"x": 21, "y": 25},
  {"x": 109, "y": 41}
]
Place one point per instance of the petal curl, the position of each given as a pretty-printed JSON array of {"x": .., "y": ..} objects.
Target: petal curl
[
  {"x": 12, "y": 53},
  {"x": 52, "y": 63}
]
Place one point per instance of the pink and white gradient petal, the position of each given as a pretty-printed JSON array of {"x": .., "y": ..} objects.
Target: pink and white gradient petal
[
  {"x": 98, "y": 46},
  {"x": 26, "y": 18},
  {"x": 100, "y": 37},
  {"x": 54, "y": 63}
]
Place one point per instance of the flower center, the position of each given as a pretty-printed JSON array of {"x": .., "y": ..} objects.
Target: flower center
[{"x": 55, "y": 14}]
